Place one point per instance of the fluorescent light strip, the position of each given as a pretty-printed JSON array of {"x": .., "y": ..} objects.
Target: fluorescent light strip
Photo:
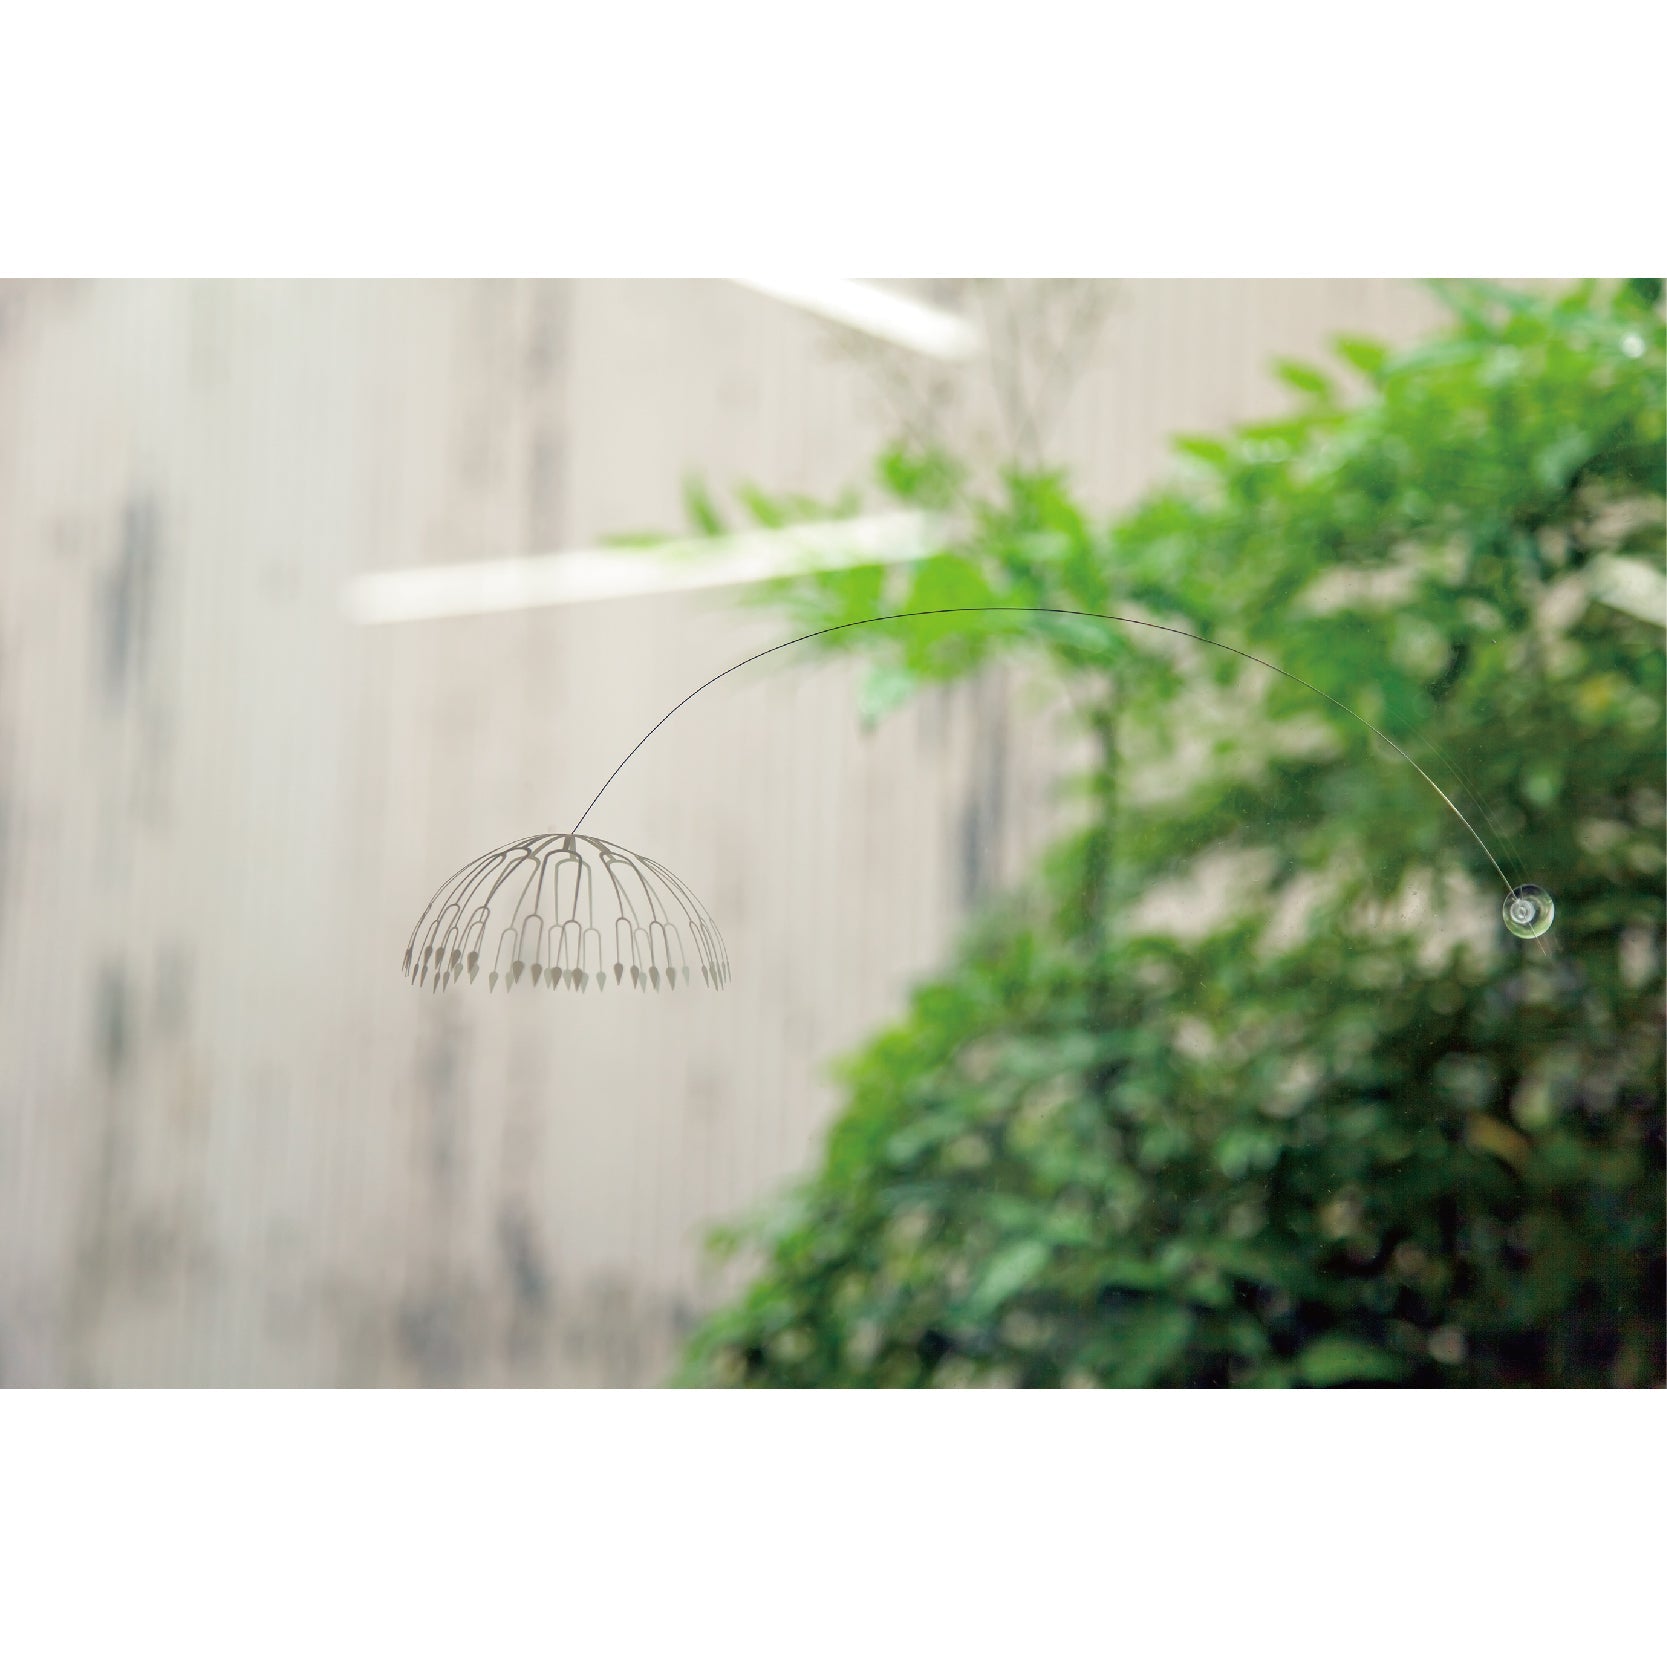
[
  {"x": 877, "y": 312},
  {"x": 513, "y": 583},
  {"x": 508, "y": 585}
]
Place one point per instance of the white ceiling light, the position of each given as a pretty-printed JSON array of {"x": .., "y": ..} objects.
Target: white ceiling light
[
  {"x": 515, "y": 582},
  {"x": 877, "y": 312}
]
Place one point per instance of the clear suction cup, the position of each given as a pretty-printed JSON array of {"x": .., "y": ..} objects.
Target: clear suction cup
[{"x": 1528, "y": 912}]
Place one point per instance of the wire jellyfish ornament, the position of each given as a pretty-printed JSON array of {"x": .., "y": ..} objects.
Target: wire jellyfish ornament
[
  {"x": 563, "y": 911},
  {"x": 540, "y": 905}
]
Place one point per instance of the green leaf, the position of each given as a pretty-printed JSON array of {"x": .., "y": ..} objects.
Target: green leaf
[
  {"x": 1151, "y": 1343},
  {"x": 1125, "y": 1273},
  {"x": 882, "y": 690},
  {"x": 1557, "y": 462},
  {"x": 763, "y": 509},
  {"x": 949, "y": 581},
  {"x": 701, "y": 511},
  {"x": 1205, "y": 449},
  {"x": 1009, "y": 1271},
  {"x": 1338, "y": 1359},
  {"x": 1367, "y": 356},
  {"x": 929, "y": 479},
  {"x": 1304, "y": 378}
]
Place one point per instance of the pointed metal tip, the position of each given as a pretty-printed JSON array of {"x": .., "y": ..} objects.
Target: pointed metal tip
[
  {"x": 492, "y": 980},
  {"x": 601, "y": 981},
  {"x": 671, "y": 977}
]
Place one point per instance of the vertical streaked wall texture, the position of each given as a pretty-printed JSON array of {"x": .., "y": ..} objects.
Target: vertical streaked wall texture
[{"x": 234, "y": 1146}]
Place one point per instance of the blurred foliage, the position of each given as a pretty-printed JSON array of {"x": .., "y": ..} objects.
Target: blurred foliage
[{"x": 1326, "y": 1137}]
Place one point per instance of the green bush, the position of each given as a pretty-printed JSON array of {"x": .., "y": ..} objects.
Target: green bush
[{"x": 1324, "y": 1138}]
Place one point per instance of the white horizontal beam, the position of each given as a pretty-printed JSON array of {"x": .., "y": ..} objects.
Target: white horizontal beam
[
  {"x": 877, "y": 312},
  {"x": 512, "y": 583}
]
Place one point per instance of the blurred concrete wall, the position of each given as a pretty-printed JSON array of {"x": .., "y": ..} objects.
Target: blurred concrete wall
[{"x": 234, "y": 1146}]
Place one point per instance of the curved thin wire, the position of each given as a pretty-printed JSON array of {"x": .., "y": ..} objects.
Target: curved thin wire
[{"x": 1070, "y": 613}]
